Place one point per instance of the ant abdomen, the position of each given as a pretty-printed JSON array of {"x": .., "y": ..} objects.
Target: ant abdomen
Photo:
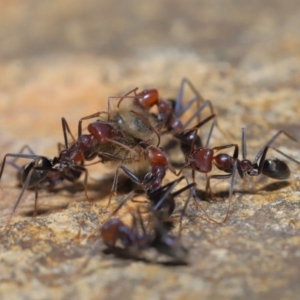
[
  {"x": 36, "y": 175},
  {"x": 275, "y": 168}
]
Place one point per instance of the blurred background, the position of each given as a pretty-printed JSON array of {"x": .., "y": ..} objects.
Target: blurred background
[{"x": 66, "y": 57}]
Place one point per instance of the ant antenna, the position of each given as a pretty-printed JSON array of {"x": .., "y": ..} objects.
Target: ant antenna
[
  {"x": 125, "y": 96},
  {"x": 244, "y": 147}
]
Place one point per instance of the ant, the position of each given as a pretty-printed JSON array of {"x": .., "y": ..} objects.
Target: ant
[
  {"x": 121, "y": 238},
  {"x": 202, "y": 160},
  {"x": 169, "y": 112},
  {"x": 69, "y": 163},
  {"x": 159, "y": 164},
  {"x": 38, "y": 180},
  {"x": 134, "y": 126},
  {"x": 163, "y": 200}
]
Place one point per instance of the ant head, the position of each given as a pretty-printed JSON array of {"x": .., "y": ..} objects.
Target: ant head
[
  {"x": 37, "y": 170},
  {"x": 275, "y": 168},
  {"x": 147, "y": 98}
]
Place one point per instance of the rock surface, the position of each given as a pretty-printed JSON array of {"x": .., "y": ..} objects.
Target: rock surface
[{"x": 64, "y": 58}]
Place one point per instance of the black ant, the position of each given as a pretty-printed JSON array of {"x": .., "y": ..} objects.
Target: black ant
[
  {"x": 202, "y": 160},
  {"x": 131, "y": 240},
  {"x": 41, "y": 179}
]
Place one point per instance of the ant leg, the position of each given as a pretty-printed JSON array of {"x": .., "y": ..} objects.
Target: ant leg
[
  {"x": 178, "y": 109},
  {"x": 244, "y": 146},
  {"x": 12, "y": 162},
  {"x": 208, "y": 188},
  {"x": 210, "y": 132},
  {"x": 271, "y": 141},
  {"x": 182, "y": 134},
  {"x": 83, "y": 169},
  {"x": 60, "y": 147},
  {"x": 128, "y": 173},
  {"x": 66, "y": 129},
  {"x": 18, "y": 155},
  {"x": 235, "y": 152},
  {"x": 141, "y": 222},
  {"x": 234, "y": 169},
  {"x": 35, "y": 202},
  {"x": 198, "y": 111},
  {"x": 199, "y": 99},
  {"x": 171, "y": 186},
  {"x": 285, "y": 155},
  {"x": 129, "y": 196},
  {"x": 184, "y": 207},
  {"x": 181, "y": 169},
  {"x": 20, "y": 197},
  {"x": 25, "y": 147},
  {"x": 232, "y": 175}
]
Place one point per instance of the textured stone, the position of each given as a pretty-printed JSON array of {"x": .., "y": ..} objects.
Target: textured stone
[{"x": 63, "y": 58}]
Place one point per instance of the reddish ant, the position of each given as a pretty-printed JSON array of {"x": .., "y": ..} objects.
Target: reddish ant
[
  {"x": 169, "y": 112},
  {"x": 202, "y": 160}
]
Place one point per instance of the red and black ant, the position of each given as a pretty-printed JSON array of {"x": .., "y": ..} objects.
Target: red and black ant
[
  {"x": 170, "y": 111},
  {"x": 101, "y": 142},
  {"x": 158, "y": 162},
  {"x": 40, "y": 179},
  {"x": 122, "y": 239},
  {"x": 163, "y": 200},
  {"x": 202, "y": 159},
  {"x": 69, "y": 164}
]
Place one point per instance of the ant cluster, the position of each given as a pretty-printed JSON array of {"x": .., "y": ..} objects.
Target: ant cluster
[{"x": 132, "y": 134}]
